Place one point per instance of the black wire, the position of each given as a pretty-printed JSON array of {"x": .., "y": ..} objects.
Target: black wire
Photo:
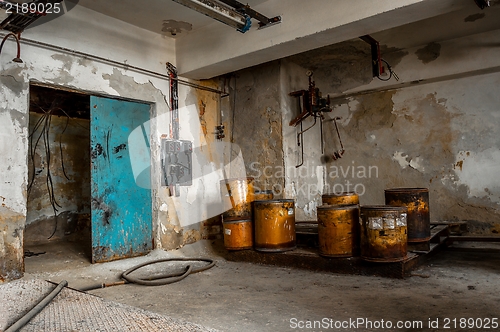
[
  {"x": 61, "y": 150},
  {"x": 234, "y": 111},
  {"x": 389, "y": 69}
]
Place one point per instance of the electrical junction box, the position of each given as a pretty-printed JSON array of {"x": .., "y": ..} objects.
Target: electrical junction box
[{"x": 176, "y": 162}]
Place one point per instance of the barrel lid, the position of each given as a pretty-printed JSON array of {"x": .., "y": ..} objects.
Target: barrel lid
[
  {"x": 236, "y": 179},
  {"x": 338, "y": 207},
  {"x": 384, "y": 208},
  {"x": 346, "y": 193},
  {"x": 274, "y": 201},
  {"x": 407, "y": 190}
]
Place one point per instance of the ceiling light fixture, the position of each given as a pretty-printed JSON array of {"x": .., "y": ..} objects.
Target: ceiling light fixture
[
  {"x": 231, "y": 12},
  {"x": 219, "y": 12}
]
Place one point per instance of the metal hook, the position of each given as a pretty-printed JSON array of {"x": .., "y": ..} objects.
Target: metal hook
[{"x": 17, "y": 59}]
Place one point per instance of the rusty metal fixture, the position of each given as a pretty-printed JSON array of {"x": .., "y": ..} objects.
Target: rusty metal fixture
[
  {"x": 16, "y": 39},
  {"x": 384, "y": 233},
  {"x": 238, "y": 233},
  {"x": 344, "y": 198},
  {"x": 237, "y": 197},
  {"x": 416, "y": 200},
  {"x": 274, "y": 223},
  {"x": 338, "y": 230},
  {"x": 263, "y": 195}
]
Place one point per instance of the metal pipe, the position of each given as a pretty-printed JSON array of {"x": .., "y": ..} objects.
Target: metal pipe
[
  {"x": 18, "y": 57},
  {"x": 123, "y": 65}
]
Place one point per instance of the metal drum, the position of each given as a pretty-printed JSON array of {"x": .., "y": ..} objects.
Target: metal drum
[
  {"x": 263, "y": 195},
  {"x": 238, "y": 233},
  {"x": 383, "y": 233},
  {"x": 338, "y": 230},
  {"x": 345, "y": 198},
  {"x": 274, "y": 223},
  {"x": 237, "y": 197},
  {"x": 416, "y": 200}
]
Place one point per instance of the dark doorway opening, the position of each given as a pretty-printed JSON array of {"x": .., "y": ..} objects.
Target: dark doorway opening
[{"x": 59, "y": 183}]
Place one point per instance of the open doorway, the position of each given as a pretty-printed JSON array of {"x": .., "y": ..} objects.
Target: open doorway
[
  {"x": 59, "y": 184},
  {"x": 84, "y": 204}
]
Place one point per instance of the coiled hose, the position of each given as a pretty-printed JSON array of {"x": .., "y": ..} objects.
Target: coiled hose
[{"x": 159, "y": 280}]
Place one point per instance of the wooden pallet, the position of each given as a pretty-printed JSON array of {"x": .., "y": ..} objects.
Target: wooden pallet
[{"x": 309, "y": 258}]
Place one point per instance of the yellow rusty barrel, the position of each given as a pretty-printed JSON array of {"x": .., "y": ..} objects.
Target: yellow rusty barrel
[
  {"x": 238, "y": 233},
  {"x": 338, "y": 230},
  {"x": 274, "y": 223},
  {"x": 383, "y": 233},
  {"x": 237, "y": 197},
  {"x": 263, "y": 195},
  {"x": 345, "y": 198},
  {"x": 416, "y": 200}
]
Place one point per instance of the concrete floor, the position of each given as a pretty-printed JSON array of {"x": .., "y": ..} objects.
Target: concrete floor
[{"x": 248, "y": 297}]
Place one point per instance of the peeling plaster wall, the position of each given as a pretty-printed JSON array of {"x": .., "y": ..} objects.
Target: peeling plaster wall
[
  {"x": 436, "y": 128},
  {"x": 93, "y": 33},
  {"x": 439, "y": 131},
  {"x": 257, "y": 125},
  {"x": 72, "y": 193}
]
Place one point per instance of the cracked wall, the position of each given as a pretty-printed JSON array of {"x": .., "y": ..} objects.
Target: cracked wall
[
  {"x": 107, "y": 38},
  {"x": 437, "y": 128}
]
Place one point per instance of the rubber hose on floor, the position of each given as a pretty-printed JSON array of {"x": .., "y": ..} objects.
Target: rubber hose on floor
[
  {"x": 36, "y": 309},
  {"x": 160, "y": 280},
  {"x": 167, "y": 278}
]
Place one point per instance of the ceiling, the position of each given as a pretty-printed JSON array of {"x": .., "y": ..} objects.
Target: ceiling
[{"x": 150, "y": 14}]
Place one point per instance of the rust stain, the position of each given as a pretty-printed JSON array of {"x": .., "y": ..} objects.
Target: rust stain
[
  {"x": 459, "y": 164},
  {"x": 338, "y": 230},
  {"x": 274, "y": 225}
]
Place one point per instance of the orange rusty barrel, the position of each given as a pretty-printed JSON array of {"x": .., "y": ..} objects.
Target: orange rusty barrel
[
  {"x": 338, "y": 230},
  {"x": 274, "y": 223},
  {"x": 237, "y": 197},
  {"x": 384, "y": 235},
  {"x": 345, "y": 198},
  {"x": 238, "y": 233},
  {"x": 416, "y": 200},
  {"x": 263, "y": 195}
]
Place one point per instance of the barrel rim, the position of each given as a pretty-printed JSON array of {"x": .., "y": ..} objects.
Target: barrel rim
[
  {"x": 265, "y": 192},
  {"x": 338, "y": 207},
  {"x": 274, "y": 201},
  {"x": 249, "y": 178},
  {"x": 345, "y": 193},
  {"x": 407, "y": 190},
  {"x": 383, "y": 207},
  {"x": 236, "y": 220}
]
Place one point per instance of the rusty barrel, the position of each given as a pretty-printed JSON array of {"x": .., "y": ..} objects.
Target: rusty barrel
[
  {"x": 237, "y": 197},
  {"x": 238, "y": 233},
  {"x": 263, "y": 195},
  {"x": 345, "y": 198},
  {"x": 383, "y": 233},
  {"x": 274, "y": 223},
  {"x": 416, "y": 200},
  {"x": 338, "y": 230}
]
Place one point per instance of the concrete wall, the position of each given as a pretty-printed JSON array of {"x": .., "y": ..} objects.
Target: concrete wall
[
  {"x": 436, "y": 128},
  {"x": 93, "y": 33},
  {"x": 72, "y": 194},
  {"x": 218, "y": 49}
]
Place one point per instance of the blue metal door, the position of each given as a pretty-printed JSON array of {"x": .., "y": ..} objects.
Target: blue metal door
[{"x": 121, "y": 210}]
